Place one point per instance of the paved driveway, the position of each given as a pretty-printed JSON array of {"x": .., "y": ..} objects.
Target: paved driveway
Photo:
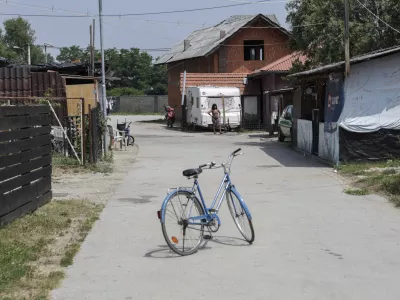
[{"x": 312, "y": 240}]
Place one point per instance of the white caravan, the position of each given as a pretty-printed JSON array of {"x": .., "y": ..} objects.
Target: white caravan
[{"x": 201, "y": 98}]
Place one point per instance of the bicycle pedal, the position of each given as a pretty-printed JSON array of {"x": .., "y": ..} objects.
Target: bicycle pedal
[{"x": 207, "y": 237}]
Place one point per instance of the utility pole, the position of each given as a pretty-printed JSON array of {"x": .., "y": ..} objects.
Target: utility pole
[
  {"x": 45, "y": 53},
  {"x": 103, "y": 70},
  {"x": 91, "y": 49},
  {"x": 346, "y": 38},
  {"x": 29, "y": 54},
  {"x": 93, "y": 43}
]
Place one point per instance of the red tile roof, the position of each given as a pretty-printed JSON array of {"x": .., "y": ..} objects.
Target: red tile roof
[
  {"x": 283, "y": 64},
  {"x": 215, "y": 79}
]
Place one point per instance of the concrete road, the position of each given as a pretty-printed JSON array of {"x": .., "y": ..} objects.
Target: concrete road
[{"x": 312, "y": 240}]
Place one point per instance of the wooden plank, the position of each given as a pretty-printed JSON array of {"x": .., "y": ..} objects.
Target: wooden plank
[
  {"x": 21, "y": 145},
  {"x": 6, "y": 136},
  {"x": 25, "y": 209},
  {"x": 6, "y": 111},
  {"x": 23, "y": 121},
  {"x": 23, "y": 168},
  {"x": 24, "y": 195},
  {"x": 9, "y": 160},
  {"x": 22, "y": 180}
]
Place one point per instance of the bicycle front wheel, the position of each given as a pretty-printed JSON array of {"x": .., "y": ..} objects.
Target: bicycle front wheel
[
  {"x": 182, "y": 237},
  {"x": 240, "y": 217}
]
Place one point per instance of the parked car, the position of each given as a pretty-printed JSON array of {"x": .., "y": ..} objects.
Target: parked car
[{"x": 285, "y": 124}]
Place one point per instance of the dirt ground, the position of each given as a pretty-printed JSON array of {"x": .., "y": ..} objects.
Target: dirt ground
[{"x": 96, "y": 187}]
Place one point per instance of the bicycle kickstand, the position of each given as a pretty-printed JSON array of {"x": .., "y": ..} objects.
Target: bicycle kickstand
[{"x": 208, "y": 236}]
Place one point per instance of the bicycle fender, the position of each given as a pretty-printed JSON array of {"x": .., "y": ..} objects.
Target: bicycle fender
[
  {"x": 246, "y": 209},
  {"x": 169, "y": 196}
]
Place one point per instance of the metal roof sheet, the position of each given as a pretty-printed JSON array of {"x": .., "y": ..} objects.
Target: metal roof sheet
[
  {"x": 204, "y": 41},
  {"x": 358, "y": 59}
]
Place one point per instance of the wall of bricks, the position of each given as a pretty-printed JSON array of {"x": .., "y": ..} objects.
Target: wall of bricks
[{"x": 275, "y": 47}]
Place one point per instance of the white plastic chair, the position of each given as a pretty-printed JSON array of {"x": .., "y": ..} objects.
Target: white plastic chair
[{"x": 116, "y": 136}]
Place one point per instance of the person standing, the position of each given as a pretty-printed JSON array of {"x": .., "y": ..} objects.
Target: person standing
[{"x": 215, "y": 115}]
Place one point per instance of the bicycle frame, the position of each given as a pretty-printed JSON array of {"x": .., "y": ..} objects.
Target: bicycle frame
[{"x": 211, "y": 212}]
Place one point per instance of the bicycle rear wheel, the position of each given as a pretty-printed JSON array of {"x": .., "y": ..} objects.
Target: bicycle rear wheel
[
  {"x": 131, "y": 140},
  {"x": 181, "y": 237},
  {"x": 240, "y": 217}
]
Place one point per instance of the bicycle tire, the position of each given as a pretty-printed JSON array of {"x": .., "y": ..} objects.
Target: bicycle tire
[
  {"x": 249, "y": 237},
  {"x": 168, "y": 239},
  {"x": 131, "y": 140}
]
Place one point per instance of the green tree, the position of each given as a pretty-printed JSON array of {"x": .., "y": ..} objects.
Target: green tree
[
  {"x": 68, "y": 54},
  {"x": 15, "y": 39},
  {"x": 122, "y": 91},
  {"x": 318, "y": 28}
]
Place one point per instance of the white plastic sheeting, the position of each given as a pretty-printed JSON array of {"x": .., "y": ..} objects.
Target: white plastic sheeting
[
  {"x": 372, "y": 96},
  {"x": 304, "y": 135}
]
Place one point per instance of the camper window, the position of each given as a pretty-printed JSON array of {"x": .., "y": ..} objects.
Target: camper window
[{"x": 198, "y": 102}]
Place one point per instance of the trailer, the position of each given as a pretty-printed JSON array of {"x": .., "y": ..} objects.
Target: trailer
[{"x": 200, "y": 100}]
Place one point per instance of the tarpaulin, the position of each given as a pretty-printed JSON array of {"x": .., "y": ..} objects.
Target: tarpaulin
[
  {"x": 369, "y": 146},
  {"x": 372, "y": 93}
]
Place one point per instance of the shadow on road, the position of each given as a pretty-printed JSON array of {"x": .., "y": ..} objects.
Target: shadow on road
[
  {"x": 283, "y": 153},
  {"x": 163, "y": 251}
]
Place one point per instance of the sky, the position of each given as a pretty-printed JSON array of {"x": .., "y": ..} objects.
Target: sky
[{"x": 144, "y": 32}]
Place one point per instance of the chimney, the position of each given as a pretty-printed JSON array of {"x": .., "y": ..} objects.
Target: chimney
[
  {"x": 186, "y": 45},
  {"x": 222, "y": 34}
]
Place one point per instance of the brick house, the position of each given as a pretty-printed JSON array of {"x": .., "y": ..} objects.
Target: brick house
[{"x": 239, "y": 44}]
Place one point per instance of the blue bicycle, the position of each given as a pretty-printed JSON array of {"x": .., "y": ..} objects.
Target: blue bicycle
[{"x": 184, "y": 217}]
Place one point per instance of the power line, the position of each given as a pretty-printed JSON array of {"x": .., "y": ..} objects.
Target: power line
[
  {"x": 377, "y": 17},
  {"x": 85, "y": 15}
]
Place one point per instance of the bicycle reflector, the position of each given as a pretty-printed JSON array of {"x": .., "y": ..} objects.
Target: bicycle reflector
[
  {"x": 159, "y": 214},
  {"x": 174, "y": 240}
]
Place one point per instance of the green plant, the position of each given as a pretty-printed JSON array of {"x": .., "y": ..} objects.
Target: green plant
[{"x": 357, "y": 192}]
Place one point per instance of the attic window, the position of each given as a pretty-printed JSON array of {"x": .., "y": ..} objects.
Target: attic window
[{"x": 253, "y": 50}]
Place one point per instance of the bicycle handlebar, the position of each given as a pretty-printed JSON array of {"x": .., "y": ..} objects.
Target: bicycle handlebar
[
  {"x": 213, "y": 164},
  {"x": 236, "y": 151}
]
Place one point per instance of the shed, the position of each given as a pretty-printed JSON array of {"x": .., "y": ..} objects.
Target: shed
[{"x": 353, "y": 118}]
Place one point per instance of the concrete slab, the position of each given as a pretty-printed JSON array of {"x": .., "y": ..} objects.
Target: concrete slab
[{"x": 312, "y": 240}]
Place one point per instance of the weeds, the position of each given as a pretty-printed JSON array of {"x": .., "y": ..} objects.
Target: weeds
[
  {"x": 105, "y": 165},
  {"x": 357, "y": 192},
  {"x": 375, "y": 177}
]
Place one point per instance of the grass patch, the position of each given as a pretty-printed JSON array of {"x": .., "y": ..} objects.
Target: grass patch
[
  {"x": 362, "y": 167},
  {"x": 32, "y": 248},
  {"x": 357, "y": 192},
  {"x": 60, "y": 162},
  {"x": 375, "y": 177}
]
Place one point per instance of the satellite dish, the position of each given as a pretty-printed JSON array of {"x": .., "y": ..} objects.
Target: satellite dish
[{"x": 308, "y": 91}]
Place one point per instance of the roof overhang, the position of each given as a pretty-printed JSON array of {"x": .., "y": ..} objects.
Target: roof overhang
[
  {"x": 262, "y": 73},
  {"x": 339, "y": 66},
  {"x": 280, "y": 91}
]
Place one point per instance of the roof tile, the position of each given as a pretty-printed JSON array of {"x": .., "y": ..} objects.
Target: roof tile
[{"x": 283, "y": 64}]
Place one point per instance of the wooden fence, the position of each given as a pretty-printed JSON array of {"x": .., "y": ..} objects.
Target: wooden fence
[{"x": 25, "y": 160}]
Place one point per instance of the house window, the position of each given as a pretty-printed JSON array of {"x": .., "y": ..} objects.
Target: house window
[{"x": 253, "y": 50}]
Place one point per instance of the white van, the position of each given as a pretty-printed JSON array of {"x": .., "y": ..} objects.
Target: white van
[{"x": 200, "y": 100}]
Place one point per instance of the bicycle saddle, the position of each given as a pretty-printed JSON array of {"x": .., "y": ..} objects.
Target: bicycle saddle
[{"x": 192, "y": 172}]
